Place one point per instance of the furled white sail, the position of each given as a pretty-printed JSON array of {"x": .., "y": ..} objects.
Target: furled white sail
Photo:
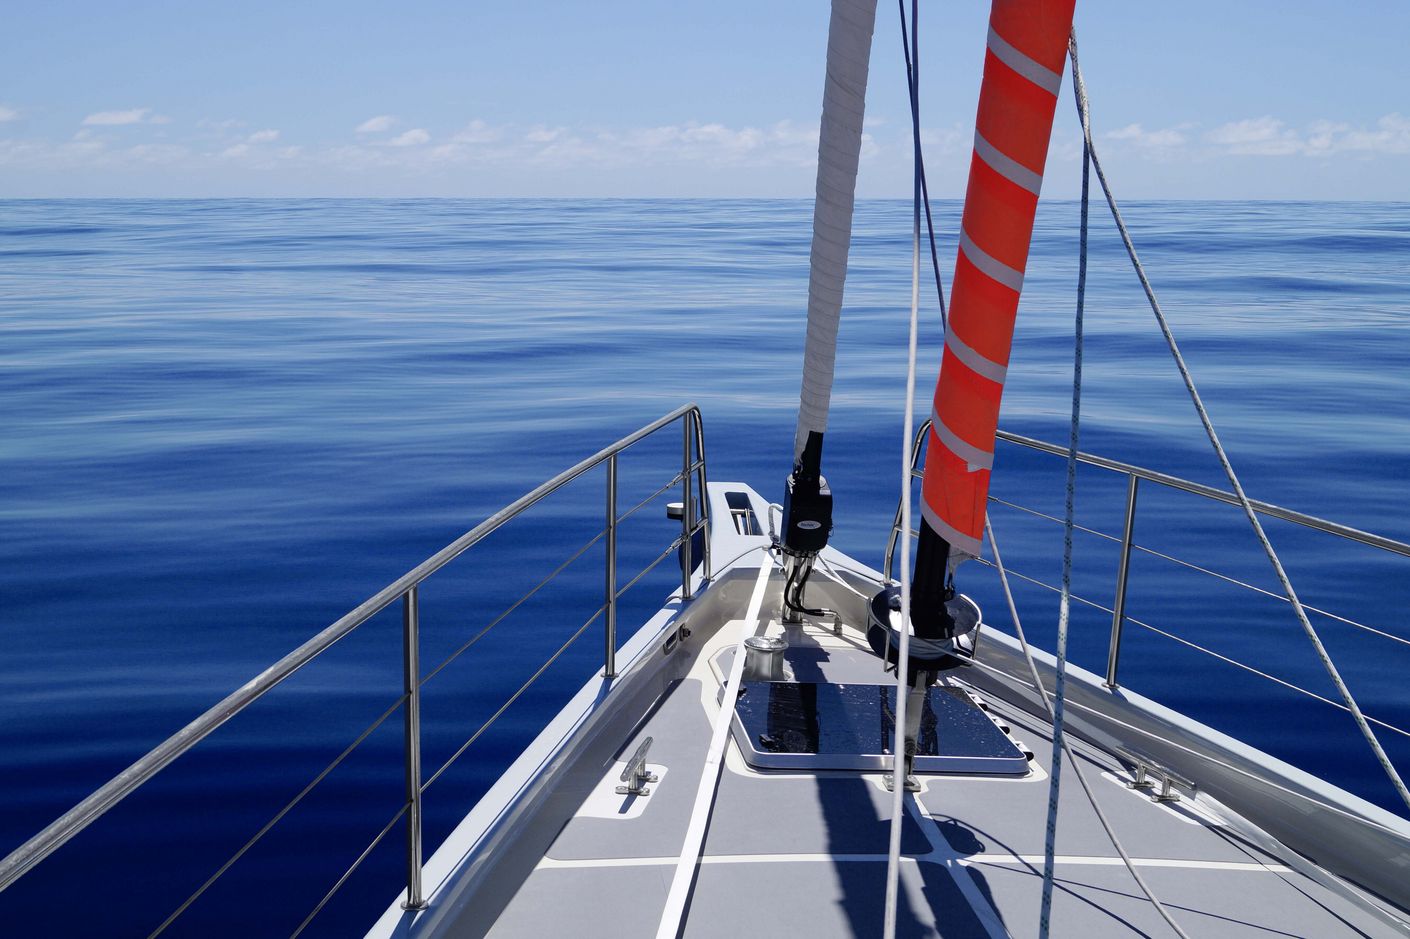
[{"x": 839, "y": 147}]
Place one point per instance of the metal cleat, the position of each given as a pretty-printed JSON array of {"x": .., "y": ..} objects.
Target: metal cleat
[{"x": 635, "y": 774}]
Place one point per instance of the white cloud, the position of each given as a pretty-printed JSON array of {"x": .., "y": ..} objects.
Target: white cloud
[
  {"x": 1390, "y": 135},
  {"x": 411, "y": 138},
  {"x": 1268, "y": 136},
  {"x": 264, "y": 136},
  {"x": 945, "y": 141},
  {"x": 118, "y": 118},
  {"x": 692, "y": 142},
  {"x": 377, "y": 125},
  {"x": 1165, "y": 139},
  {"x": 1256, "y": 136},
  {"x": 478, "y": 131},
  {"x": 7, "y": 114}
]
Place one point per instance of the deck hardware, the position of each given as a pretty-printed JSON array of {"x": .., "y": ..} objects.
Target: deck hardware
[
  {"x": 1141, "y": 778},
  {"x": 635, "y": 774},
  {"x": 763, "y": 658},
  {"x": 912, "y": 784},
  {"x": 1168, "y": 782}
]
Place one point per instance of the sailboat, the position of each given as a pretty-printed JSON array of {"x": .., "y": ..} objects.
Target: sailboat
[{"x": 798, "y": 744}]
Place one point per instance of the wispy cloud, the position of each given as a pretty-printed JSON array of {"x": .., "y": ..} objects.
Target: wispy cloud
[
  {"x": 411, "y": 138},
  {"x": 1167, "y": 138},
  {"x": 122, "y": 118},
  {"x": 8, "y": 114},
  {"x": 1256, "y": 136},
  {"x": 377, "y": 125},
  {"x": 1270, "y": 137},
  {"x": 478, "y": 131},
  {"x": 782, "y": 153},
  {"x": 691, "y": 142}
]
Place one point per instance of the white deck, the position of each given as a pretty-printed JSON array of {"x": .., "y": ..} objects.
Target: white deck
[{"x": 804, "y": 853}]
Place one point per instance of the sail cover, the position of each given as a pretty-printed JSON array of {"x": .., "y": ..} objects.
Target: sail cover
[{"x": 1022, "y": 76}]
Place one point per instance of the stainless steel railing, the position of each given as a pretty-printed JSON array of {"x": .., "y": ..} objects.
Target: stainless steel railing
[
  {"x": 1135, "y": 476},
  {"x": 691, "y": 477}
]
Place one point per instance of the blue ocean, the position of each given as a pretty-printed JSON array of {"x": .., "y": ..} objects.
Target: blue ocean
[{"x": 226, "y": 423}]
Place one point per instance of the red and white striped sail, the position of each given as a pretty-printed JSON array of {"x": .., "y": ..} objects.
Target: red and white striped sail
[{"x": 1022, "y": 77}]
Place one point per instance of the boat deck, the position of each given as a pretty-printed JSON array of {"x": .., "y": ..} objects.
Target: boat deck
[{"x": 804, "y": 853}]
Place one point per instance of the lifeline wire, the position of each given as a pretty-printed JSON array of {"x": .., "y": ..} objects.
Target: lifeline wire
[
  {"x": 898, "y": 734},
  {"x": 1219, "y": 451},
  {"x": 1067, "y": 747}
]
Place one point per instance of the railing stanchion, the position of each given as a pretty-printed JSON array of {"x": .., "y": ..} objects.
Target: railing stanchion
[
  {"x": 411, "y": 667},
  {"x": 609, "y": 660},
  {"x": 1118, "y": 605},
  {"x": 687, "y": 511},
  {"x": 704, "y": 489}
]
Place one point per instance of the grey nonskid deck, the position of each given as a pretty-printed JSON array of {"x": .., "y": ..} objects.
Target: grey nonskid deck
[{"x": 805, "y": 853}]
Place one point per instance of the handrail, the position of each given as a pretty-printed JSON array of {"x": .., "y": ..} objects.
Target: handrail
[
  {"x": 1053, "y": 588},
  {"x": 59, "y": 832},
  {"x": 1135, "y": 475},
  {"x": 1164, "y": 479},
  {"x": 1219, "y": 495}
]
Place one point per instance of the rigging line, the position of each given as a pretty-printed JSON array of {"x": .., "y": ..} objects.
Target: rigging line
[
  {"x": 831, "y": 574},
  {"x": 1066, "y": 744},
  {"x": 898, "y": 733},
  {"x": 920, "y": 158},
  {"x": 1065, "y": 592},
  {"x": 1223, "y": 456}
]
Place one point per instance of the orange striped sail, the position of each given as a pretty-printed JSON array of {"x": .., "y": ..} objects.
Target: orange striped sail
[{"x": 1022, "y": 76}]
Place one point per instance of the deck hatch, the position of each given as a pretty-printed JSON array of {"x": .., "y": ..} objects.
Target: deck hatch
[{"x": 828, "y": 726}]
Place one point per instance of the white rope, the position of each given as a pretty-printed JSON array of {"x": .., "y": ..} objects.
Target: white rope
[
  {"x": 1066, "y": 746},
  {"x": 1219, "y": 451},
  {"x": 673, "y": 915},
  {"x": 898, "y": 734}
]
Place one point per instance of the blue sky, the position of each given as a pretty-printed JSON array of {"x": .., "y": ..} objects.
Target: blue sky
[{"x": 1230, "y": 99}]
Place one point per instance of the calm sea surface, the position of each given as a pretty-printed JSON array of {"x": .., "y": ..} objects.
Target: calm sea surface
[{"x": 225, "y": 423}]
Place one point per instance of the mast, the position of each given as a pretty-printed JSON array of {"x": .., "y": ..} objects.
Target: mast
[
  {"x": 807, "y": 503},
  {"x": 1023, "y": 66}
]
